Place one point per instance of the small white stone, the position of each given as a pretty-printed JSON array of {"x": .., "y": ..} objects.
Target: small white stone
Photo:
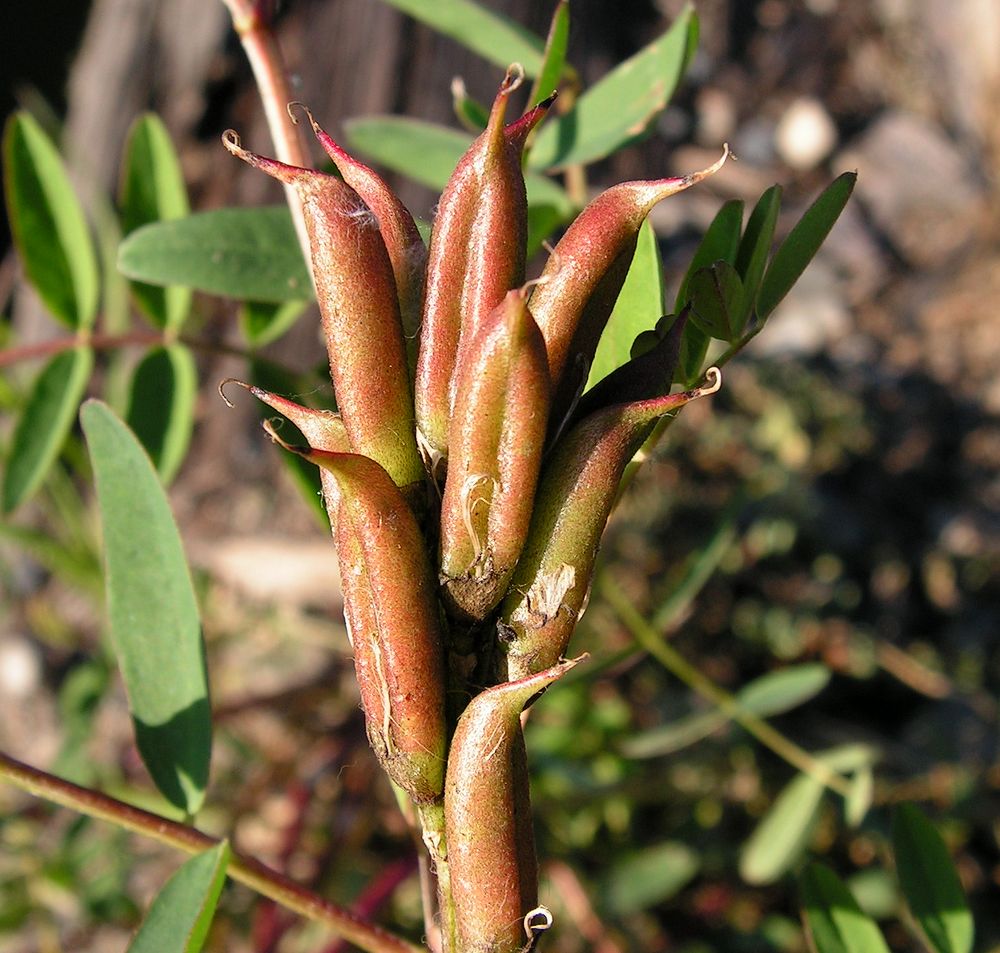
[
  {"x": 20, "y": 668},
  {"x": 805, "y": 134}
]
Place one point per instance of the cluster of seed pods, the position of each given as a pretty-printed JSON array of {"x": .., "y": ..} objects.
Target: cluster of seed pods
[{"x": 467, "y": 481}]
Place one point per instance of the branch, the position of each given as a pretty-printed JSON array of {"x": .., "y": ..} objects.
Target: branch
[
  {"x": 248, "y": 871},
  {"x": 252, "y": 23},
  {"x": 111, "y": 342},
  {"x": 675, "y": 663}
]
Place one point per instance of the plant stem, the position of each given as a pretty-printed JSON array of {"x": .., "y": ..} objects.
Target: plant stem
[
  {"x": 677, "y": 665},
  {"x": 432, "y": 826},
  {"x": 269, "y": 72},
  {"x": 246, "y": 870},
  {"x": 110, "y": 342}
]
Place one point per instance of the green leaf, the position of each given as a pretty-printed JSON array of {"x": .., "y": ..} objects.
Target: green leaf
[
  {"x": 471, "y": 113},
  {"x": 785, "y": 689},
  {"x": 423, "y": 151},
  {"x": 182, "y": 912},
  {"x": 45, "y": 423},
  {"x": 153, "y": 190},
  {"x": 493, "y": 36},
  {"x": 646, "y": 877},
  {"x": 716, "y": 299},
  {"x": 161, "y": 406},
  {"x": 428, "y": 154},
  {"x": 783, "y": 834},
  {"x": 860, "y": 796},
  {"x": 719, "y": 243},
  {"x": 694, "y": 347},
  {"x": 802, "y": 243},
  {"x": 263, "y": 322},
  {"x": 638, "y": 308},
  {"x": 768, "y": 695},
  {"x": 243, "y": 253},
  {"x": 833, "y": 918},
  {"x": 554, "y": 64},
  {"x": 755, "y": 245},
  {"x": 152, "y": 612},
  {"x": 79, "y": 696},
  {"x": 621, "y": 107},
  {"x": 929, "y": 882},
  {"x": 48, "y": 225}
]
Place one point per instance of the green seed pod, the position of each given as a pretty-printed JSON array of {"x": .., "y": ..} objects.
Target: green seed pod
[
  {"x": 476, "y": 256},
  {"x": 406, "y": 248},
  {"x": 393, "y": 619},
  {"x": 356, "y": 292},
  {"x": 577, "y": 489},
  {"x": 496, "y": 440},
  {"x": 487, "y": 812},
  {"x": 585, "y": 273}
]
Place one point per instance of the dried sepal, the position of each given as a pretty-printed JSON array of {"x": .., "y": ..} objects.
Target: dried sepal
[
  {"x": 491, "y": 852},
  {"x": 476, "y": 256},
  {"x": 356, "y": 291},
  {"x": 578, "y": 486},
  {"x": 496, "y": 440}
]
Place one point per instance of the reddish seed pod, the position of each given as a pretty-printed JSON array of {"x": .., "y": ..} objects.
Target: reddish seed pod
[
  {"x": 585, "y": 273},
  {"x": 577, "y": 489},
  {"x": 391, "y": 610},
  {"x": 476, "y": 256},
  {"x": 406, "y": 248},
  {"x": 323, "y": 429},
  {"x": 356, "y": 292},
  {"x": 491, "y": 851},
  {"x": 496, "y": 440}
]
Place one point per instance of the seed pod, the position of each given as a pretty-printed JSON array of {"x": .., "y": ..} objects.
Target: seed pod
[
  {"x": 585, "y": 273},
  {"x": 496, "y": 440},
  {"x": 323, "y": 430},
  {"x": 577, "y": 489},
  {"x": 476, "y": 256},
  {"x": 392, "y": 615},
  {"x": 487, "y": 811},
  {"x": 406, "y": 248},
  {"x": 356, "y": 292}
]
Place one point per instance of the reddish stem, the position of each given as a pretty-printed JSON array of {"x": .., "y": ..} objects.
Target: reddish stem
[{"x": 246, "y": 870}]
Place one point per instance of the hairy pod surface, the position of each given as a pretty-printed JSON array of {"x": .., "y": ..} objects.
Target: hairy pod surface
[
  {"x": 391, "y": 609},
  {"x": 585, "y": 273},
  {"x": 407, "y": 252},
  {"x": 356, "y": 291},
  {"x": 491, "y": 852},
  {"x": 496, "y": 440},
  {"x": 476, "y": 256},
  {"x": 577, "y": 489}
]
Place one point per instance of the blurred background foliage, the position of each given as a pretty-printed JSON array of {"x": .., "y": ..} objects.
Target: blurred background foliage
[{"x": 833, "y": 511}]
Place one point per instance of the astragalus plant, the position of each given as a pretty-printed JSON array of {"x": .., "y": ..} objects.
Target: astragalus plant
[{"x": 468, "y": 471}]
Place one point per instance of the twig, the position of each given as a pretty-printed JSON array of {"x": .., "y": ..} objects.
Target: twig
[
  {"x": 246, "y": 870},
  {"x": 675, "y": 663},
  {"x": 252, "y": 23},
  {"x": 110, "y": 342}
]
